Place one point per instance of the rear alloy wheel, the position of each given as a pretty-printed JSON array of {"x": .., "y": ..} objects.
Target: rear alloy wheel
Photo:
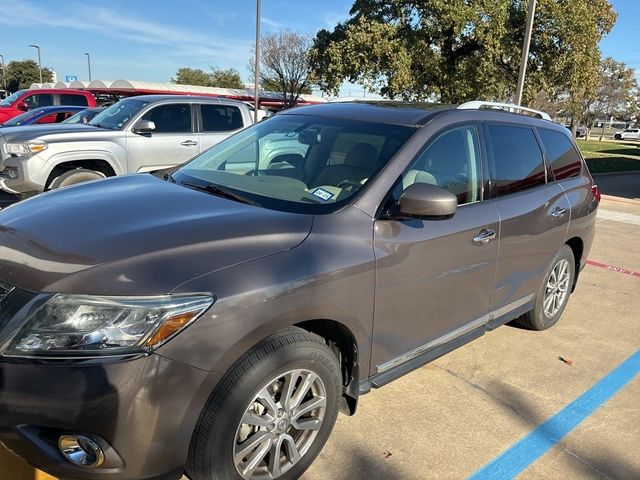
[
  {"x": 73, "y": 177},
  {"x": 554, "y": 293},
  {"x": 272, "y": 412}
]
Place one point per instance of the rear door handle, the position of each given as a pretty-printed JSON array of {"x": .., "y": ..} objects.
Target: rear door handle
[
  {"x": 484, "y": 236},
  {"x": 558, "y": 212},
  {"x": 189, "y": 143}
]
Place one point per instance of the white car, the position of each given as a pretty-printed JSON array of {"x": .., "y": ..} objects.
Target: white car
[
  {"x": 137, "y": 134},
  {"x": 628, "y": 134}
]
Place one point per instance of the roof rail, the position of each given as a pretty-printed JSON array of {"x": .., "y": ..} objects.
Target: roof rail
[{"x": 509, "y": 107}]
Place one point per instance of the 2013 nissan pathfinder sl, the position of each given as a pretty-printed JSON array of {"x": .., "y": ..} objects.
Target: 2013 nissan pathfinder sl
[{"x": 214, "y": 320}]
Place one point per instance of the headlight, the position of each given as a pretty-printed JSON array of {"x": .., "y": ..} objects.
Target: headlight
[
  {"x": 85, "y": 325},
  {"x": 25, "y": 149}
]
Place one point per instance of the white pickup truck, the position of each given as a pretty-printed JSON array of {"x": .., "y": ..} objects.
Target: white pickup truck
[{"x": 137, "y": 134}]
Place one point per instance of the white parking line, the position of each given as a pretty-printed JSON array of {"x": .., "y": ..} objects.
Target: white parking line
[{"x": 612, "y": 215}]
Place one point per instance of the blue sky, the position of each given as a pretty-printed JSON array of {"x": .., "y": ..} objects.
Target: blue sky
[{"x": 150, "y": 40}]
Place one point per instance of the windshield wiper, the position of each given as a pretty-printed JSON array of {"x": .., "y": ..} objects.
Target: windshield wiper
[{"x": 220, "y": 192}]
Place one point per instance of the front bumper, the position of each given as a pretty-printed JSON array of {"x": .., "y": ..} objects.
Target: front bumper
[{"x": 142, "y": 410}]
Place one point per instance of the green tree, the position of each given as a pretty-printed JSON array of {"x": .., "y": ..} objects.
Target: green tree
[
  {"x": 229, "y": 78},
  {"x": 22, "y": 73},
  {"x": 616, "y": 93},
  {"x": 217, "y": 77},
  {"x": 285, "y": 66},
  {"x": 459, "y": 50},
  {"x": 192, "y": 76}
]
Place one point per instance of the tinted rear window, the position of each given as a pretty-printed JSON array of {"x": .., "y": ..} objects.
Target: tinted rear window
[
  {"x": 220, "y": 118},
  {"x": 70, "y": 99},
  {"x": 518, "y": 161},
  {"x": 565, "y": 161}
]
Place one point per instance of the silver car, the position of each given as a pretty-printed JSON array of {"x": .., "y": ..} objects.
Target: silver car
[{"x": 137, "y": 134}]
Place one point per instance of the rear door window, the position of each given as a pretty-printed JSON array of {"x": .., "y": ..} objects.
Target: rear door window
[
  {"x": 517, "y": 159},
  {"x": 38, "y": 100},
  {"x": 220, "y": 118},
  {"x": 69, "y": 99},
  {"x": 563, "y": 157},
  {"x": 174, "y": 118}
]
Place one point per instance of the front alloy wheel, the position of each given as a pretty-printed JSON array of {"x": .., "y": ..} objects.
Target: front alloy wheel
[
  {"x": 272, "y": 412},
  {"x": 280, "y": 425}
]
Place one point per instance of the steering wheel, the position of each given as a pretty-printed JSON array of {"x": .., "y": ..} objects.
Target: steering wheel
[
  {"x": 253, "y": 173},
  {"x": 349, "y": 183}
]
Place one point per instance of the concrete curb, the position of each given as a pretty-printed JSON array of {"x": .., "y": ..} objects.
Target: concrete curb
[{"x": 621, "y": 199}]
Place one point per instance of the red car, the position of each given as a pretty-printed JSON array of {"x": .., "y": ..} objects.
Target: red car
[{"x": 24, "y": 100}]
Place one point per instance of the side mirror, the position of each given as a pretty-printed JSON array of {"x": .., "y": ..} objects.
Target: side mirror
[
  {"x": 24, "y": 106},
  {"x": 422, "y": 200},
  {"x": 144, "y": 126}
]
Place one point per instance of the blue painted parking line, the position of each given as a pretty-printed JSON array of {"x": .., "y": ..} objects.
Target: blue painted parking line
[{"x": 522, "y": 454}]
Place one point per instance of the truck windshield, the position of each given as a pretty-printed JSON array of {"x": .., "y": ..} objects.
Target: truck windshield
[
  {"x": 296, "y": 163},
  {"x": 11, "y": 98},
  {"x": 117, "y": 115}
]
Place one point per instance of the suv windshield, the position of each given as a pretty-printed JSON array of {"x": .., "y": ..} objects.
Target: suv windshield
[
  {"x": 11, "y": 98},
  {"x": 297, "y": 163},
  {"x": 117, "y": 115}
]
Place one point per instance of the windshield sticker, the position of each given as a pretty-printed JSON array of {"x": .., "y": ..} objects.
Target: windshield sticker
[{"x": 322, "y": 194}]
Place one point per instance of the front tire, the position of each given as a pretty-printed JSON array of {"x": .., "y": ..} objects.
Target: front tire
[
  {"x": 73, "y": 177},
  {"x": 554, "y": 292},
  {"x": 271, "y": 414}
]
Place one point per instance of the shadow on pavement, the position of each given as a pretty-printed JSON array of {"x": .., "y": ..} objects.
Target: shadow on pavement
[
  {"x": 364, "y": 464},
  {"x": 601, "y": 465},
  {"x": 625, "y": 185}
]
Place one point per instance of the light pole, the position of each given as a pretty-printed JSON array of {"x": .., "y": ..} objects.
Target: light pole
[
  {"x": 257, "y": 66},
  {"x": 525, "y": 51},
  {"x": 4, "y": 76},
  {"x": 89, "y": 65},
  {"x": 39, "y": 60}
]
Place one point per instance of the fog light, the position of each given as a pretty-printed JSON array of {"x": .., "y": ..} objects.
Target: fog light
[{"x": 81, "y": 450}]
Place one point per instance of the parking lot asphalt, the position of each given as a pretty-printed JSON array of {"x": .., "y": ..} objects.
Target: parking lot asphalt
[{"x": 451, "y": 418}]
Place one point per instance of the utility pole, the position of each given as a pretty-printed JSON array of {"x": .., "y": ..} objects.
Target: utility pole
[
  {"x": 39, "y": 60},
  {"x": 4, "y": 76},
  {"x": 89, "y": 65},
  {"x": 257, "y": 66},
  {"x": 525, "y": 51}
]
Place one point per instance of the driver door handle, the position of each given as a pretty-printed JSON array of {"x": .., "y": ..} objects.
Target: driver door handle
[
  {"x": 189, "y": 143},
  {"x": 484, "y": 236},
  {"x": 558, "y": 212}
]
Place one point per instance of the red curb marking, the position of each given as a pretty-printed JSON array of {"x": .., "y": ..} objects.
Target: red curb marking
[{"x": 612, "y": 268}]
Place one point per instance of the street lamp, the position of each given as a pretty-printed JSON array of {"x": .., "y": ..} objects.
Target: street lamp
[
  {"x": 4, "y": 76},
  {"x": 39, "y": 60},
  {"x": 89, "y": 65},
  {"x": 257, "y": 67}
]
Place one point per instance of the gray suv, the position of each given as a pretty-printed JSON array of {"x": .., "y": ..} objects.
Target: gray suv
[
  {"x": 137, "y": 134},
  {"x": 213, "y": 321}
]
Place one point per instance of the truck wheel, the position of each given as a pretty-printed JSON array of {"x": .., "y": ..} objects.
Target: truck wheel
[
  {"x": 271, "y": 414},
  {"x": 72, "y": 177},
  {"x": 554, "y": 293}
]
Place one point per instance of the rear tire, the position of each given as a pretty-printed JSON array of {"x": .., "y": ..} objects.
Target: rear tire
[
  {"x": 73, "y": 177},
  {"x": 251, "y": 406},
  {"x": 553, "y": 294}
]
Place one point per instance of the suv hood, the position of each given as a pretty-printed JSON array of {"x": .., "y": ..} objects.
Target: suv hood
[
  {"x": 32, "y": 132},
  {"x": 134, "y": 235}
]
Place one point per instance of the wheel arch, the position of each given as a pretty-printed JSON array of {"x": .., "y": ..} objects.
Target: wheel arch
[
  {"x": 98, "y": 165},
  {"x": 344, "y": 344},
  {"x": 577, "y": 247}
]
